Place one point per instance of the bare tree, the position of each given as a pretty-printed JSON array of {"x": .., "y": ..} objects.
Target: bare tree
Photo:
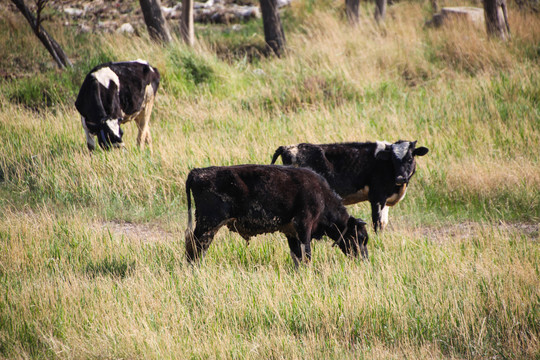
[
  {"x": 434, "y": 6},
  {"x": 380, "y": 10},
  {"x": 155, "y": 22},
  {"x": 187, "y": 29},
  {"x": 50, "y": 44},
  {"x": 352, "y": 11},
  {"x": 273, "y": 30},
  {"x": 496, "y": 17}
]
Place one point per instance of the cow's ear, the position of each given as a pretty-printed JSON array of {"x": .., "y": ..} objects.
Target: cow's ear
[
  {"x": 384, "y": 155},
  {"x": 421, "y": 151}
]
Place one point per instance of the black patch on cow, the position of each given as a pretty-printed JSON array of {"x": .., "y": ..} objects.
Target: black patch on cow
[
  {"x": 97, "y": 103},
  {"x": 351, "y": 167},
  {"x": 257, "y": 199}
]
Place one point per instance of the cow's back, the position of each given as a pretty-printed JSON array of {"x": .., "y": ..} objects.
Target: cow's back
[
  {"x": 135, "y": 76},
  {"x": 277, "y": 189}
]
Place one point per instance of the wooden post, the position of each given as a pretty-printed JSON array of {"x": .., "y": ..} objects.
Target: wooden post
[{"x": 187, "y": 29}]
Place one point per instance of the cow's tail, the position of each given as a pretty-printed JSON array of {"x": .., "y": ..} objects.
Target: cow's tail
[
  {"x": 277, "y": 154},
  {"x": 189, "y": 229}
]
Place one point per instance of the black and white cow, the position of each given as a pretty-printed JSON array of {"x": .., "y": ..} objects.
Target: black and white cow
[
  {"x": 374, "y": 171},
  {"x": 113, "y": 94},
  {"x": 258, "y": 199}
]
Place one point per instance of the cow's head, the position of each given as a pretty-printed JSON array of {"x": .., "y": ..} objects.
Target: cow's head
[
  {"x": 402, "y": 155},
  {"x": 354, "y": 239},
  {"x": 108, "y": 132}
]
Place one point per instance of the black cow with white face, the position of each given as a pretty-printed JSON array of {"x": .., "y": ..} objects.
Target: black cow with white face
[
  {"x": 258, "y": 199},
  {"x": 113, "y": 94},
  {"x": 376, "y": 171}
]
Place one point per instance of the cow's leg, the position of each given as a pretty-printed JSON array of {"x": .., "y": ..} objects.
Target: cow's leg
[
  {"x": 144, "y": 132},
  {"x": 304, "y": 237},
  {"x": 143, "y": 120},
  {"x": 296, "y": 250},
  {"x": 306, "y": 250},
  {"x": 377, "y": 210},
  {"x": 198, "y": 242},
  {"x": 90, "y": 141},
  {"x": 384, "y": 217}
]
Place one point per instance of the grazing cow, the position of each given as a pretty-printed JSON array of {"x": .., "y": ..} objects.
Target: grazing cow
[
  {"x": 374, "y": 171},
  {"x": 113, "y": 94},
  {"x": 258, "y": 199}
]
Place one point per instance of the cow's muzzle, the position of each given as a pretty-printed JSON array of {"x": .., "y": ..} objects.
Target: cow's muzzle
[{"x": 401, "y": 180}]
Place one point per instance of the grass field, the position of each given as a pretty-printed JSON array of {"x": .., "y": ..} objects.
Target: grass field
[{"x": 91, "y": 246}]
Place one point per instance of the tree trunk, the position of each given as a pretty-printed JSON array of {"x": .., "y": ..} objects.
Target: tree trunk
[
  {"x": 50, "y": 44},
  {"x": 352, "y": 11},
  {"x": 496, "y": 18},
  {"x": 186, "y": 23},
  {"x": 434, "y": 6},
  {"x": 380, "y": 10},
  {"x": 273, "y": 30},
  {"x": 155, "y": 22}
]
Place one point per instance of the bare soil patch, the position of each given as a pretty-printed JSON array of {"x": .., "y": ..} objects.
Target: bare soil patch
[
  {"x": 467, "y": 230},
  {"x": 144, "y": 233}
]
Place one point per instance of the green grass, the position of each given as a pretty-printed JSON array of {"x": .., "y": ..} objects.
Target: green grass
[{"x": 91, "y": 246}]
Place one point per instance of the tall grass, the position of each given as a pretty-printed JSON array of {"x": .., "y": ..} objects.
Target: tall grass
[{"x": 91, "y": 246}]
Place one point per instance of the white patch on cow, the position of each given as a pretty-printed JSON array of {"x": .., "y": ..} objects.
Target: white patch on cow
[
  {"x": 114, "y": 126},
  {"x": 90, "y": 141},
  {"x": 144, "y": 62},
  {"x": 105, "y": 76},
  {"x": 140, "y": 61},
  {"x": 397, "y": 197},
  {"x": 400, "y": 150},
  {"x": 359, "y": 196},
  {"x": 293, "y": 150},
  {"x": 381, "y": 145},
  {"x": 384, "y": 217}
]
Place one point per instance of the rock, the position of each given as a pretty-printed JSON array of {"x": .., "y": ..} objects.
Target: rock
[
  {"x": 472, "y": 15},
  {"x": 107, "y": 26},
  {"x": 126, "y": 28},
  {"x": 83, "y": 28},
  {"x": 220, "y": 14},
  {"x": 172, "y": 12},
  {"x": 74, "y": 12},
  {"x": 282, "y": 3}
]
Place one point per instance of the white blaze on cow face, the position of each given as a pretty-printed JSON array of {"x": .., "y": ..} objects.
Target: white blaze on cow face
[
  {"x": 114, "y": 126},
  {"x": 400, "y": 150},
  {"x": 293, "y": 150},
  {"x": 105, "y": 76}
]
